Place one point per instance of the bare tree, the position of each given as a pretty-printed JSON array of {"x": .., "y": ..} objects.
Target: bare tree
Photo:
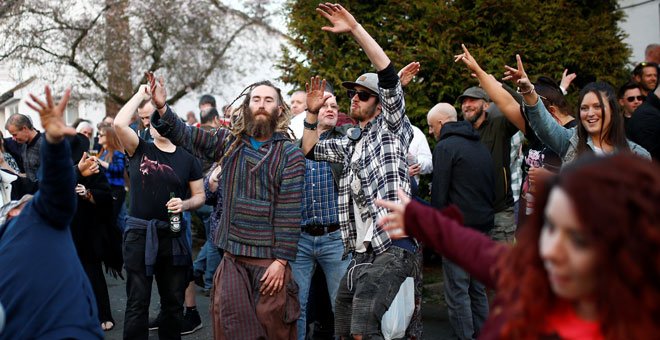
[
  {"x": 6, "y": 6},
  {"x": 194, "y": 44}
]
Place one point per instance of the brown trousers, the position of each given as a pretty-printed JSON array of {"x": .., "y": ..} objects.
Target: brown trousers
[{"x": 238, "y": 310}]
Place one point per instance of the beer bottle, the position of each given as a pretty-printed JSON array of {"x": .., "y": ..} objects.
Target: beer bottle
[{"x": 175, "y": 219}]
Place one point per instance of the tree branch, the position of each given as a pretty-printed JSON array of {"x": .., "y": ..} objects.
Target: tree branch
[
  {"x": 257, "y": 21},
  {"x": 214, "y": 63}
]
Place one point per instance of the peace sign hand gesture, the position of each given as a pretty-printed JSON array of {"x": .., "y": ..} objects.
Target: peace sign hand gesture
[{"x": 518, "y": 76}]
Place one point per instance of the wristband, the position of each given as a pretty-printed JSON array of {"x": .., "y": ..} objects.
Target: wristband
[
  {"x": 310, "y": 126},
  {"x": 280, "y": 262},
  {"x": 525, "y": 92}
]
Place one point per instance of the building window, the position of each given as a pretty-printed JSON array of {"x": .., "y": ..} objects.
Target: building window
[{"x": 71, "y": 114}]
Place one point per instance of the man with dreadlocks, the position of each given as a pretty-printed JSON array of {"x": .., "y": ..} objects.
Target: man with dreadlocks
[
  {"x": 374, "y": 158},
  {"x": 254, "y": 294}
]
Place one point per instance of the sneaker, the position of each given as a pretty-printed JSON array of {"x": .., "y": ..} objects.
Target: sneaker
[
  {"x": 154, "y": 323},
  {"x": 191, "y": 322}
]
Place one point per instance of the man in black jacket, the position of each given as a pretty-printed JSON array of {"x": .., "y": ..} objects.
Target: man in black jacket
[
  {"x": 644, "y": 126},
  {"x": 462, "y": 175}
]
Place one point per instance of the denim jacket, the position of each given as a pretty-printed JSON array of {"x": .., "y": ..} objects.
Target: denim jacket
[{"x": 561, "y": 140}]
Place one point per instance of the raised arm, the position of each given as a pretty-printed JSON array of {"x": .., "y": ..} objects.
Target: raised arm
[
  {"x": 566, "y": 80},
  {"x": 546, "y": 128},
  {"x": 342, "y": 21},
  {"x": 408, "y": 72},
  {"x": 200, "y": 143},
  {"x": 316, "y": 97},
  {"x": 507, "y": 105},
  {"x": 55, "y": 199},
  {"x": 127, "y": 136}
]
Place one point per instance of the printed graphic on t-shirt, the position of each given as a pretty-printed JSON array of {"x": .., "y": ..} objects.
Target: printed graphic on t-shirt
[{"x": 153, "y": 168}]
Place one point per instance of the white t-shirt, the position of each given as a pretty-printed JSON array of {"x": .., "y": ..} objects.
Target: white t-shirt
[
  {"x": 297, "y": 125},
  {"x": 364, "y": 229}
]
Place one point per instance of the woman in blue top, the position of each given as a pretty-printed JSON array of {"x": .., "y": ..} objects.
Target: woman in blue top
[
  {"x": 600, "y": 130},
  {"x": 113, "y": 161}
]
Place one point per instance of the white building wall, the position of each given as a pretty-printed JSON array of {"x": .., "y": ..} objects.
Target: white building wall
[{"x": 642, "y": 25}]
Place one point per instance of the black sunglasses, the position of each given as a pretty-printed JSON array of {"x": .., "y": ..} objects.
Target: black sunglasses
[
  {"x": 362, "y": 95},
  {"x": 354, "y": 134},
  {"x": 632, "y": 98}
]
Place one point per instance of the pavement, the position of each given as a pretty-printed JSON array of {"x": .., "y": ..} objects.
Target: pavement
[{"x": 434, "y": 314}]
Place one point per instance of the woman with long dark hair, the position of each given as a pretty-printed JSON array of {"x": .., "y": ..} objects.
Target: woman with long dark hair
[
  {"x": 600, "y": 129},
  {"x": 585, "y": 266}
]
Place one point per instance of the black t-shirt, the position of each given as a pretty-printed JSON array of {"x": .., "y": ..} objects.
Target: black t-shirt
[{"x": 154, "y": 174}]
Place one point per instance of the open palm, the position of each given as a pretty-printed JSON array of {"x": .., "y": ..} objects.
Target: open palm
[
  {"x": 52, "y": 115},
  {"x": 341, "y": 20}
]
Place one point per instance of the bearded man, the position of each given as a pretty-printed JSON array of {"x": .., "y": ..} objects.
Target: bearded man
[
  {"x": 495, "y": 132},
  {"x": 254, "y": 294}
]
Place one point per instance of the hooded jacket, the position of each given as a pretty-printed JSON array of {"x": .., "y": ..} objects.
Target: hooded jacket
[{"x": 463, "y": 175}]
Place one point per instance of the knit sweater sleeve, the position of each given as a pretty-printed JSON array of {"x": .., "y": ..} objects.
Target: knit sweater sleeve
[
  {"x": 443, "y": 231},
  {"x": 55, "y": 200},
  {"x": 288, "y": 204},
  {"x": 202, "y": 144}
]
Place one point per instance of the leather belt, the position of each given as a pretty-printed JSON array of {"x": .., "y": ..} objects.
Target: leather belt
[{"x": 319, "y": 230}]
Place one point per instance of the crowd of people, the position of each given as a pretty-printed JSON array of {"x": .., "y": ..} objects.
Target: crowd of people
[{"x": 554, "y": 209}]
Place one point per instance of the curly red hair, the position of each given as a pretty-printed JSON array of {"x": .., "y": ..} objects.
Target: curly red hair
[{"x": 617, "y": 200}]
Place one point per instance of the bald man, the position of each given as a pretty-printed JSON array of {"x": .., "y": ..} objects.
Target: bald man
[{"x": 462, "y": 175}]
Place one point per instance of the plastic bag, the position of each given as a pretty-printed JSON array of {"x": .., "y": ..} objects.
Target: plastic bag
[{"x": 395, "y": 321}]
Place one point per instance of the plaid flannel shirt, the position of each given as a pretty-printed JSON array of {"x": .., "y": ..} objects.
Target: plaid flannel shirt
[{"x": 382, "y": 168}]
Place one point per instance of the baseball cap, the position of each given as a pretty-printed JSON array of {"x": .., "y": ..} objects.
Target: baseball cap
[
  {"x": 474, "y": 92},
  {"x": 368, "y": 80}
]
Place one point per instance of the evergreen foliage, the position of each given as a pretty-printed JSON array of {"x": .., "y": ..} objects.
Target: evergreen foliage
[{"x": 581, "y": 35}]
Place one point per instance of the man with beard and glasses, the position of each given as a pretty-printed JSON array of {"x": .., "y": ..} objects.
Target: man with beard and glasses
[
  {"x": 495, "y": 132},
  {"x": 374, "y": 158},
  {"x": 254, "y": 294}
]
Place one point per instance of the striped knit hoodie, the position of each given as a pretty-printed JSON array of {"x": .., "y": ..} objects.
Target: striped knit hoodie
[{"x": 262, "y": 189}]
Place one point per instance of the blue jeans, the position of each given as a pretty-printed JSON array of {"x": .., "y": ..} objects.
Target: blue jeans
[
  {"x": 209, "y": 256},
  {"x": 327, "y": 250},
  {"x": 467, "y": 302}
]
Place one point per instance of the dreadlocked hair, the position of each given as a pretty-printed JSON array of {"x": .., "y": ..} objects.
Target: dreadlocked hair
[{"x": 238, "y": 126}]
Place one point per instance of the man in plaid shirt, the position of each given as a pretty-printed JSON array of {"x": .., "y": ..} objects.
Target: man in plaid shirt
[{"x": 374, "y": 158}]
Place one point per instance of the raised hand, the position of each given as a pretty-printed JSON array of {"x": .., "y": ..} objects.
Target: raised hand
[
  {"x": 52, "y": 116},
  {"x": 408, "y": 72},
  {"x": 144, "y": 91},
  {"x": 567, "y": 79},
  {"x": 316, "y": 96},
  {"x": 518, "y": 76},
  {"x": 157, "y": 90},
  {"x": 393, "y": 222},
  {"x": 468, "y": 60},
  {"x": 342, "y": 21}
]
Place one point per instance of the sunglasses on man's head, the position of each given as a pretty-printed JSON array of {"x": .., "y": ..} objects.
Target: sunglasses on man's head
[
  {"x": 632, "y": 98},
  {"x": 362, "y": 95}
]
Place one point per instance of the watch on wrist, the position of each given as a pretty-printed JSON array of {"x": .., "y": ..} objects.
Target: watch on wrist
[{"x": 310, "y": 126}]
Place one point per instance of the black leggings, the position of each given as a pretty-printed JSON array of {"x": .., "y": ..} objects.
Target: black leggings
[{"x": 94, "y": 272}]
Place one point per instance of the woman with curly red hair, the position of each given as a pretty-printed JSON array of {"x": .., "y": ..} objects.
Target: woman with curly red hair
[{"x": 586, "y": 265}]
